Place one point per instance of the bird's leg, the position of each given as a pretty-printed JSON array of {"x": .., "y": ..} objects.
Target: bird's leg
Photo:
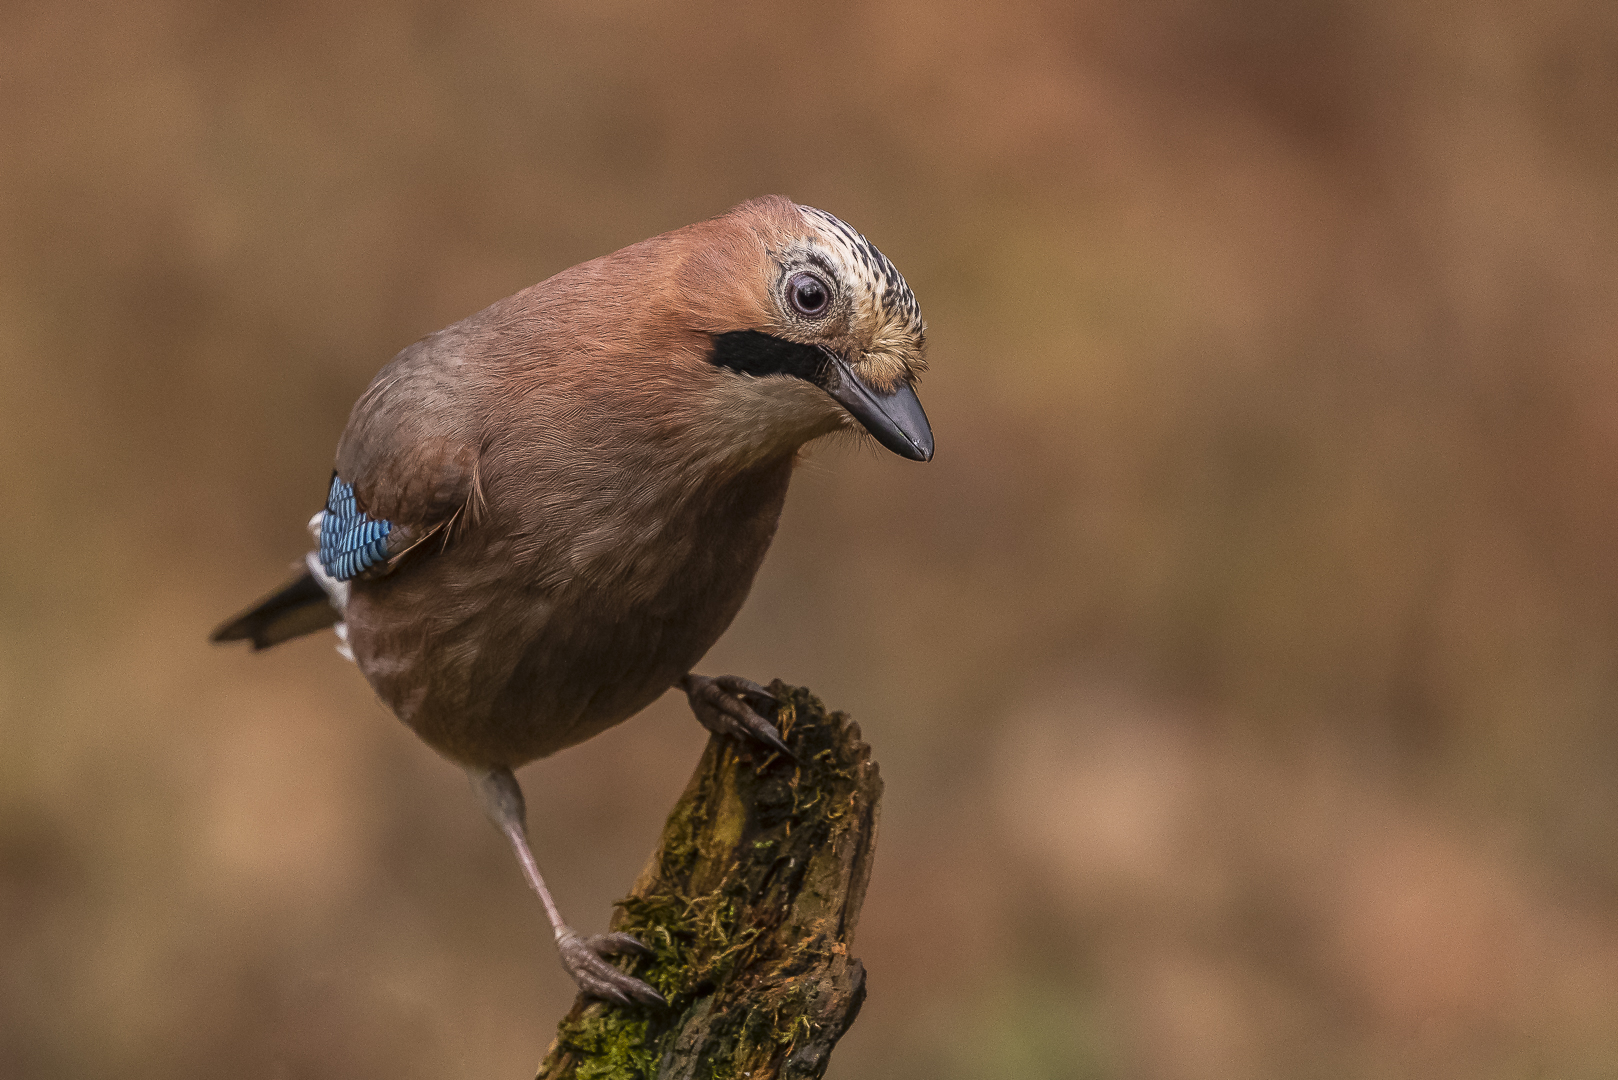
[
  {"x": 726, "y": 705},
  {"x": 584, "y": 957}
]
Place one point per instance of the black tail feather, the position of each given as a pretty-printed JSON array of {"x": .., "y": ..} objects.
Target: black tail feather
[{"x": 301, "y": 607}]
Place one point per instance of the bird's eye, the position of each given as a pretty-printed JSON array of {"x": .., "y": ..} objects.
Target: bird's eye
[{"x": 808, "y": 294}]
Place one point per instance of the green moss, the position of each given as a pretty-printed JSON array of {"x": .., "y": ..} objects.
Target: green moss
[
  {"x": 741, "y": 915},
  {"x": 696, "y": 942},
  {"x": 679, "y": 845},
  {"x": 612, "y": 1046}
]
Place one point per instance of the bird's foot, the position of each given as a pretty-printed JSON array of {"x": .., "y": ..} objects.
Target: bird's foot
[
  {"x": 727, "y": 704},
  {"x": 585, "y": 960}
]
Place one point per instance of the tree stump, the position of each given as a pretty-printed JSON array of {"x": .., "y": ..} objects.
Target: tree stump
[{"x": 749, "y": 903}]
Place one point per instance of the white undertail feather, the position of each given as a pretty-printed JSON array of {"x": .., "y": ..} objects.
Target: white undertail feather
[{"x": 336, "y": 591}]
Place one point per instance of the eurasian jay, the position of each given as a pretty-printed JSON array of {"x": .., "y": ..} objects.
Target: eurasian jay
[{"x": 542, "y": 516}]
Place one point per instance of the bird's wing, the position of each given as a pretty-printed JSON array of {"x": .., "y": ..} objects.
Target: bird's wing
[
  {"x": 407, "y": 463},
  {"x": 353, "y": 542}
]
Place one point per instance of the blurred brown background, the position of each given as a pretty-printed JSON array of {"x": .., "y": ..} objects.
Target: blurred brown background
[{"x": 1243, "y": 669}]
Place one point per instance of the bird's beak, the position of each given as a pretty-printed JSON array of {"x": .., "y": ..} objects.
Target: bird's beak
[{"x": 896, "y": 419}]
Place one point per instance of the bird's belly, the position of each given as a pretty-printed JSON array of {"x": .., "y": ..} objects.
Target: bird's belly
[
  {"x": 498, "y": 651},
  {"x": 523, "y": 672}
]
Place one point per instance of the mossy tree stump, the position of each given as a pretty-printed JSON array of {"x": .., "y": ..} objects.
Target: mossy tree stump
[{"x": 749, "y": 904}]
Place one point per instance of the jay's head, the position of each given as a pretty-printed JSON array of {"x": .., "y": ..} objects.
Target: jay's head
[{"x": 806, "y": 329}]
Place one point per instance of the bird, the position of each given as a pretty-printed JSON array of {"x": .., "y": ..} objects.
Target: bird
[{"x": 542, "y": 516}]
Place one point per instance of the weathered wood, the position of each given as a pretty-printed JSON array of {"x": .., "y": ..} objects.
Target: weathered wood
[{"x": 750, "y": 902}]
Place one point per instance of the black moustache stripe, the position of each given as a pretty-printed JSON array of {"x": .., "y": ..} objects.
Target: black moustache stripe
[{"x": 752, "y": 352}]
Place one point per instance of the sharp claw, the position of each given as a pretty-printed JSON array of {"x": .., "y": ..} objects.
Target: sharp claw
[
  {"x": 646, "y": 995},
  {"x": 626, "y": 989},
  {"x": 758, "y": 728},
  {"x": 765, "y": 733},
  {"x": 722, "y": 705},
  {"x": 621, "y": 944},
  {"x": 584, "y": 960},
  {"x": 747, "y": 688}
]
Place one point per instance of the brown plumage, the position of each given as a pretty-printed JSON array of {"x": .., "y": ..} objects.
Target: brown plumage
[{"x": 581, "y": 481}]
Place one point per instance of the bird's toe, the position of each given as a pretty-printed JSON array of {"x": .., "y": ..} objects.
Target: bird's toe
[
  {"x": 729, "y": 704},
  {"x": 748, "y": 691},
  {"x": 585, "y": 960},
  {"x": 620, "y": 944}
]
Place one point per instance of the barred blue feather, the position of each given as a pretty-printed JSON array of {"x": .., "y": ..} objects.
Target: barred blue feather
[{"x": 351, "y": 542}]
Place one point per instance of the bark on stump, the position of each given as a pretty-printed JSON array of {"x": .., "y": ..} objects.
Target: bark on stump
[{"x": 750, "y": 903}]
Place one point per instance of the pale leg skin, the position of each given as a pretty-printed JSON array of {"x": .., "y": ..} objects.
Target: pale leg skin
[
  {"x": 583, "y": 957},
  {"x": 725, "y": 705}
]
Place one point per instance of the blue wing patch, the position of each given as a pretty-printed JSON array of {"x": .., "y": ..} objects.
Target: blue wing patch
[{"x": 351, "y": 542}]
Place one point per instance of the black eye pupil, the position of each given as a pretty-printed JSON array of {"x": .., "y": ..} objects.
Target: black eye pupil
[{"x": 808, "y": 295}]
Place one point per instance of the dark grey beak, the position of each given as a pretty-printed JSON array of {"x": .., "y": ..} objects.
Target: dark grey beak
[{"x": 896, "y": 419}]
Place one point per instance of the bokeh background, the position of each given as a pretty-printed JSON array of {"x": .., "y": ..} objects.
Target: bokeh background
[{"x": 1243, "y": 669}]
